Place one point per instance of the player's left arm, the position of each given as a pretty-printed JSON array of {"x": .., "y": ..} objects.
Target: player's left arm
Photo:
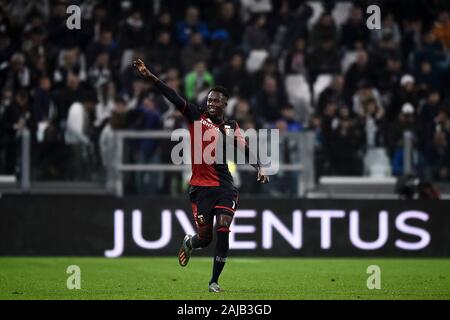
[{"x": 253, "y": 159}]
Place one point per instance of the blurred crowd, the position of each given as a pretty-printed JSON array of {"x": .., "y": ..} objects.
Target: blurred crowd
[{"x": 291, "y": 65}]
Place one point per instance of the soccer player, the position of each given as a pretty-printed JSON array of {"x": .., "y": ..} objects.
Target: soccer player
[{"x": 211, "y": 192}]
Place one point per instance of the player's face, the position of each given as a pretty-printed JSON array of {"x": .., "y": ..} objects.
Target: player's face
[{"x": 216, "y": 104}]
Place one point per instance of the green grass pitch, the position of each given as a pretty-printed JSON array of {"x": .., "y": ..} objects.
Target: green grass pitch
[{"x": 243, "y": 278}]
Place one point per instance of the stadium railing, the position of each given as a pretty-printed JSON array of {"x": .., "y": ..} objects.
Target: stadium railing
[{"x": 303, "y": 156}]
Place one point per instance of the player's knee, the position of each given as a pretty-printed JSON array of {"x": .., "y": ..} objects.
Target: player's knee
[{"x": 223, "y": 222}]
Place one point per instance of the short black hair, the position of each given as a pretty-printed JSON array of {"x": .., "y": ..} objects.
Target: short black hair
[{"x": 220, "y": 89}]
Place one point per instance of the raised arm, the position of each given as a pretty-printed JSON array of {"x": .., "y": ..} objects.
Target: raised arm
[{"x": 181, "y": 104}]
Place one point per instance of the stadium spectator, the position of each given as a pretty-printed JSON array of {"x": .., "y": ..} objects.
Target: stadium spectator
[
  {"x": 427, "y": 76},
  {"x": 229, "y": 21},
  {"x": 256, "y": 36},
  {"x": 17, "y": 117},
  {"x": 267, "y": 102},
  {"x": 164, "y": 54},
  {"x": 106, "y": 43},
  {"x": 197, "y": 82},
  {"x": 325, "y": 30},
  {"x": 296, "y": 23},
  {"x": 194, "y": 52},
  {"x": 65, "y": 96},
  {"x": 359, "y": 71},
  {"x": 431, "y": 50},
  {"x": 372, "y": 124},
  {"x": 442, "y": 29},
  {"x": 334, "y": 92},
  {"x": 324, "y": 59},
  {"x": 34, "y": 46},
  {"x": 106, "y": 96},
  {"x": 70, "y": 60},
  {"x": 222, "y": 47},
  {"x": 16, "y": 73},
  {"x": 405, "y": 92},
  {"x": 354, "y": 33},
  {"x": 268, "y": 68},
  {"x": 395, "y": 137},
  {"x": 58, "y": 33},
  {"x": 242, "y": 112},
  {"x": 295, "y": 62},
  {"x": 411, "y": 38},
  {"x": 445, "y": 83},
  {"x": 429, "y": 123},
  {"x": 366, "y": 91},
  {"x": 52, "y": 156},
  {"x": 389, "y": 75},
  {"x": 78, "y": 136},
  {"x": 287, "y": 121},
  {"x": 344, "y": 149},
  {"x": 7, "y": 47},
  {"x": 97, "y": 22},
  {"x": 163, "y": 23},
  {"x": 387, "y": 40},
  {"x": 132, "y": 32},
  {"x": 191, "y": 24},
  {"x": 100, "y": 72},
  {"x": 107, "y": 145},
  {"x": 43, "y": 107},
  {"x": 235, "y": 77},
  {"x": 148, "y": 119},
  {"x": 442, "y": 147}
]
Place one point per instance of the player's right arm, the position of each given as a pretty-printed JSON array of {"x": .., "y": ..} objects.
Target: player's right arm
[{"x": 188, "y": 110}]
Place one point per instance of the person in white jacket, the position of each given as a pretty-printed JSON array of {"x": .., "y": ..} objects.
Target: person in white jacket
[{"x": 77, "y": 135}]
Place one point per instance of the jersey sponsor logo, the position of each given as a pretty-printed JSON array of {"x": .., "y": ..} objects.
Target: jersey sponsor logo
[{"x": 209, "y": 124}]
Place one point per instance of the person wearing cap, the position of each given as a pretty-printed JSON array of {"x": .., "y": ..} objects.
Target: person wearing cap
[
  {"x": 407, "y": 109},
  {"x": 406, "y": 92},
  {"x": 395, "y": 135}
]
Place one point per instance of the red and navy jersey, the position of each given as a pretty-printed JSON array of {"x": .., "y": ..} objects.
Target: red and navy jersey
[{"x": 205, "y": 174}]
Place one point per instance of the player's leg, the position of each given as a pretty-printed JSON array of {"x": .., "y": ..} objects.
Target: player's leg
[
  {"x": 224, "y": 217},
  {"x": 203, "y": 237},
  {"x": 204, "y": 224}
]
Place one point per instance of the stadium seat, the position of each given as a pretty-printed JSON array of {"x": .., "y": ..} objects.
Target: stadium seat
[
  {"x": 376, "y": 163},
  {"x": 255, "y": 60},
  {"x": 348, "y": 59},
  {"x": 321, "y": 83},
  {"x": 341, "y": 12},
  {"x": 299, "y": 95},
  {"x": 318, "y": 9}
]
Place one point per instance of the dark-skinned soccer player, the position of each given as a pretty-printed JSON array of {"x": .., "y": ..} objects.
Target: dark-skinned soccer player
[{"x": 211, "y": 192}]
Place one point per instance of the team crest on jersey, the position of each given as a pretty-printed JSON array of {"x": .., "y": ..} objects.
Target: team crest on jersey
[{"x": 200, "y": 219}]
